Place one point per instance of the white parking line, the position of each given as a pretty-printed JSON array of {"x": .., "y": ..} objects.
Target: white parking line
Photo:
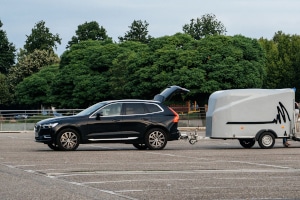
[
  {"x": 71, "y": 182},
  {"x": 138, "y": 180},
  {"x": 175, "y": 155},
  {"x": 231, "y": 161},
  {"x": 259, "y": 164}
]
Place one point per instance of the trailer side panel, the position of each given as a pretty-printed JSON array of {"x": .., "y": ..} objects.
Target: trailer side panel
[{"x": 242, "y": 113}]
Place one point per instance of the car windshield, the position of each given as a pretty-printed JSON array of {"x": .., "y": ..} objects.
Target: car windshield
[{"x": 91, "y": 109}]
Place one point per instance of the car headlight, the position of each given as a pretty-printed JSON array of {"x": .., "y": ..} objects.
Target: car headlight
[{"x": 50, "y": 125}]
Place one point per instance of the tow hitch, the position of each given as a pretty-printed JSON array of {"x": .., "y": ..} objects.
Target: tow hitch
[{"x": 192, "y": 137}]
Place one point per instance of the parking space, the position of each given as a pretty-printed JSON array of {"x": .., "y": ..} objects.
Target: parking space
[{"x": 209, "y": 169}]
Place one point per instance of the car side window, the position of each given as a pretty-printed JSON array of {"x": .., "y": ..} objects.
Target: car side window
[
  {"x": 134, "y": 108},
  {"x": 111, "y": 110},
  {"x": 152, "y": 108}
]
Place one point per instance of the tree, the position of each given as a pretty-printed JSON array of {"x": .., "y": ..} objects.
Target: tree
[
  {"x": 41, "y": 38},
  {"x": 275, "y": 71},
  {"x": 138, "y": 32},
  {"x": 83, "y": 76},
  {"x": 29, "y": 64},
  {"x": 232, "y": 62},
  {"x": 204, "y": 26},
  {"x": 92, "y": 71},
  {"x": 36, "y": 89},
  {"x": 289, "y": 54},
  {"x": 4, "y": 90},
  {"x": 88, "y": 31},
  {"x": 283, "y": 61},
  {"x": 7, "y": 52},
  {"x": 207, "y": 65},
  {"x": 125, "y": 74}
]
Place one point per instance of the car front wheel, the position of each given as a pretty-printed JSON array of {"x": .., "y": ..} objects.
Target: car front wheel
[
  {"x": 156, "y": 139},
  {"x": 53, "y": 146},
  {"x": 68, "y": 140}
]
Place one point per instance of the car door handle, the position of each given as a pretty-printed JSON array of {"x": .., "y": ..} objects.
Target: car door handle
[
  {"x": 145, "y": 119},
  {"x": 115, "y": 120}
]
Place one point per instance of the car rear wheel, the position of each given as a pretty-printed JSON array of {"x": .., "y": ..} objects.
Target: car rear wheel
[
  {"x": 140, "y": 146},
  {"x": 156, "y": 139},
  {"x": 68, "y": 140}
]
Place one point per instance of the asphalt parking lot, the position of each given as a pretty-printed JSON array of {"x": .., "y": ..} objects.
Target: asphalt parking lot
[{"x": 209, "y": 169}]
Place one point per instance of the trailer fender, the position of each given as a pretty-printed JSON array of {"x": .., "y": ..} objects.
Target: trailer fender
[{"x": 258, "y": 134}]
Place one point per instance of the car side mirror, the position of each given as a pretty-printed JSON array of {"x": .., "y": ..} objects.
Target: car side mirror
[{"x": 98, "y": 116}]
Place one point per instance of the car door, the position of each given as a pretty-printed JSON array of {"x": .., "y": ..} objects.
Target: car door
[
  {"x": 105, "y": 123},
  {"x": 135, "y": 120}
]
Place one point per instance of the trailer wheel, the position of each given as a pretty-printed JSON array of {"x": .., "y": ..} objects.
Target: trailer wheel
[
  {"x": 247, "y": 143},
  {"x": 266, "y": 140}
]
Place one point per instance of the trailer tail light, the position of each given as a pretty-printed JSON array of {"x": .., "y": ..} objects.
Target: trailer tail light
[{"x": 176, "y": 117}]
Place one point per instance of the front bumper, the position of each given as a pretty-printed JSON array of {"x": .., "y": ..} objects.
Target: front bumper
[
  {"x": 44, "y": 139},
  {"x": 43, "y": 135}
]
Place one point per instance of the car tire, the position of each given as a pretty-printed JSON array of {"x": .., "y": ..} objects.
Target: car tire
[
  {"x": 53, "y": 146},
  {"x": 68, "y": 140},
  {"x": 266, "y": 140},
  {"x": 156, "y": 139},
  {"x": 247, "y": 143},
  {"x": 140, "y": 146}
]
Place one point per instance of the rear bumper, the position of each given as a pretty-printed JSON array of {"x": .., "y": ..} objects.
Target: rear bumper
[{"x": 175, "y": 135}]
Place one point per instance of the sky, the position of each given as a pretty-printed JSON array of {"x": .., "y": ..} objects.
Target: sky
[{"x": 251, "y": 18}]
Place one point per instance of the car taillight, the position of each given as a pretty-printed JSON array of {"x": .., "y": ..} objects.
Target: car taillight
[{"x": 176, "y": 117}]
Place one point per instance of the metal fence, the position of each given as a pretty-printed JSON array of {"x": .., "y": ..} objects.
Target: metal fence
[{"x": 24, "y": 120}]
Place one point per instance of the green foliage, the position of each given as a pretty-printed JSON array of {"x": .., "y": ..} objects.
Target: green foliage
[
  {"x": 95, "y": 69},
  {"x": 124, "y": 72},
  {"x": 83, "y": 78},
  {"x": 283, "y": 61},
  {"x": 4, "y": 90},
  {"x": 282, "y": 55},
  {"x": 38, "y": 52},
  {"x": 7, "y": 52},
  {"x": 89, "y": 31},
  {"x": 204, "y": 26},
  {"x": 231, "y": 62},
  {"x": 92, "y": 71},
  {"x": 29, "y": 64},
  {"x": 36, "y": 89},
  {"x": 41, "y": 38},
  {"x": 138, "y": 32}
]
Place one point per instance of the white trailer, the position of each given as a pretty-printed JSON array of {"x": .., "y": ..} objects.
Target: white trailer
[{"x": 251, "y": 115}]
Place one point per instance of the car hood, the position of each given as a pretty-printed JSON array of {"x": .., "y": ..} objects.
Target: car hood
[
  {"x": 57, "y": 119},
  {"x": 169, "y": 92}
]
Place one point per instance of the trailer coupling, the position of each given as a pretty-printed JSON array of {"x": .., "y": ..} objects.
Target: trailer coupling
[{"x": 192, "y": 137}]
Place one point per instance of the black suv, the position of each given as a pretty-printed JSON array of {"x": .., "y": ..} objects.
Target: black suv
[{"x": 143, "y": 123}]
